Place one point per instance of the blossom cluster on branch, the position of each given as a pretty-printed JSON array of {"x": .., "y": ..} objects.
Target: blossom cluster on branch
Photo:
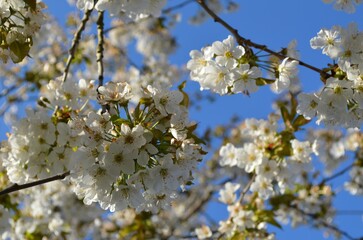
[
  {"x": 107, "y": 149},
  {"x": 226, "y": 68},
  {"x": 19, "y": 21}
]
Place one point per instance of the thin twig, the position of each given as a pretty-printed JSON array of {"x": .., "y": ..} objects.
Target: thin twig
[
  {"x": 323, "y": 223},
  {"x": 338, "y": 230},
  {"x": 194, "y": 208},
  {"x": 7, "y": 91},
  {"x": 341, "y": 172},
  {"x": 165, "y": 11},
  {"x": 17, "y": 187},
  {"x": 246, "y": 42},
  {"x": 198, "y": 205},
  {"x": 247, "y": 188},
  {"x": 349, "y": 212},
  {"x": 175, "y": 7},
  {"x": 75, "y": 42}
]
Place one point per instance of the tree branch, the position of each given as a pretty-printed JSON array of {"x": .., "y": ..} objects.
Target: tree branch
[
  {"x": 100, "y": 48},
  {"x": 75, "y": 42},
  {"x": 247, "y": 187},
  {"x": 349, "y": 212},
  {"x": 313, "y": 217},
  {"x": 341, "y": 172},
  {"x": 17, "y": 187},
  {"x": 246, "y": 42},
  {"x": 198, "y": 205}
]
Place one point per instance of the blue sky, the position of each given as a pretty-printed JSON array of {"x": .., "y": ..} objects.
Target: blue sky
[{"x": 274, "y": 23}]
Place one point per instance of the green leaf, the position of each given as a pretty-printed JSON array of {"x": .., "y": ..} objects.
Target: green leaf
[
  {"x": 192, "y": 127},
  {"x": 264, "y": 81},
  {"x": 185, "y": 101},
  {"x": 293, "y": 105},
  {"x": 238, "y": 236},
  {"x": 136, "y": 114},
  {"x": 300, "y": 121},
  {"x": 196, "y": 139},
  {"x": 5, "y": 200},
  {"x": 19, "y": 51},
  {"x": 189, "y": 183},
  {"x": 285, "y": 199},
  {"x": 146, "y": 101},
  {"x": 286, "y": 117},
  {"x": 114, "y": 118},
  {"x": 272, "y": 221},
  {"x": 269, "y": 217},
  {"x": 121, "y": 121}
]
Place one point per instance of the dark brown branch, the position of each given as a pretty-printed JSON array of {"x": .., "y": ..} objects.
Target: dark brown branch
[
  {"x": 17, "y": 187},
  {"x": 100, "y": 48},
  {"x": 246, "y": 42},
  {"x": 75, "y": 42}
]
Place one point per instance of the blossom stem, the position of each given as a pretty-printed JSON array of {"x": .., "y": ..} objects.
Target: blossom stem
[
  {"x": 16, "y": 187},
  {"x": 128, "y": 114},
  {"x": 75, "y": 42},
  {"x": 246, "y": 42}
]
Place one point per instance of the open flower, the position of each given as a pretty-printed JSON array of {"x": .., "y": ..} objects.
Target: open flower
[{"x": 113, "y": 92}]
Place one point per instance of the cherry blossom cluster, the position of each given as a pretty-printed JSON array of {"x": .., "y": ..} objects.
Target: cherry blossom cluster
[
  {"x": 116, "y": 157},
  {"x": 250, "y": 217},
  {"x": 353, "y": 142},
  {"x": 332, "y": 147},
  {"x": 225, "y": 68},
  {"x": 354, "y": 185},
  {"x": 152, "y": 35},
  {"x": 20, "y": 20},
  {"x": 242, "y": 217},
  {"x": 135, "y": 9},
  {"x": 340, "y": 100},
  {"x": 41, "y": 145},
  {"x": 345, "y": 5},
  {"x": 265, "y": 154},
  {"x": 277, "y": 169},
  {"x": 138, "y": 158},
  {"x": 219, "y": 68},
  {"x": 163, "y": 75},
  {"x": 308, "y": 201},
  {"x": 48, "y": 211}
]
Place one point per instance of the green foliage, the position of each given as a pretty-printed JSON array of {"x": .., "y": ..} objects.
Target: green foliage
[
  {"x": 141, "y": 228},
  {"x": 19, "y": 50}
]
